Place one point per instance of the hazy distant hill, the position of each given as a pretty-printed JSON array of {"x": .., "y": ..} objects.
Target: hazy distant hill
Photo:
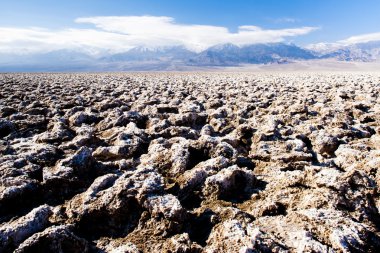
[
  {"x": 178, "y": 57},
  {"x": 363, "y": 52},
  {"x": 147, "y": 54},
  {"x": 229, "y": 54}
]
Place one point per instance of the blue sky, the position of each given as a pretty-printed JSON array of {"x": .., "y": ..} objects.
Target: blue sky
[{"x": 312, "y": 21}]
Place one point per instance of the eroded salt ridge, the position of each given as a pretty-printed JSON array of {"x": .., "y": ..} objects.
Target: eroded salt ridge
[{"x": 190, "y": 162}]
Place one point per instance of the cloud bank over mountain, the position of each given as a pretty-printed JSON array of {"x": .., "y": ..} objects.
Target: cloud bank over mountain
[
  {"x": 363, "y": 38},
  {"x": 113, "y": 34},
  {"x": 160, "y": 43}
]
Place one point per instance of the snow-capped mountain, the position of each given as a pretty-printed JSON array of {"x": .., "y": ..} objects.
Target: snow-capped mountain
[
  {"x": 229, "y": 54},
  {"x": 364, "y": 52},
  {"x": 176, "y": 57},
  {"x": 151, "y": 54}
]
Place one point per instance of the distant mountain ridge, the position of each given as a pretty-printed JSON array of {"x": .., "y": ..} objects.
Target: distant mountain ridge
[
  {"x": 171, "y": 58},
  {"x": 147, "y": 54},
  {"x": 229, "y": 54},
  {"x": 363, "y": 52}
]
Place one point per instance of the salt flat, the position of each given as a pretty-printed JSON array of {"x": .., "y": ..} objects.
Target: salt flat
[{"x": 190, "y": 162}]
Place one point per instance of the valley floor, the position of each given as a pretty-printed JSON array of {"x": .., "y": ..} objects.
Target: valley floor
[{"x": 190, "y": 162}]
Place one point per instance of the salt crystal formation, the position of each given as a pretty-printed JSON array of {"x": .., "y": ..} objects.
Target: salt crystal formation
[{"x": 190, "y": 162}]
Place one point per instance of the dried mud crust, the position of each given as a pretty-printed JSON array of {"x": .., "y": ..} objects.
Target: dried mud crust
[{"x": 190, "y": 162}]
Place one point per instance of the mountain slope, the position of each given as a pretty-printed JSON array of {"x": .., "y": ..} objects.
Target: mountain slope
[
  {"x": 147, "y": 54},
  {"x": 228, "y": 54},
  {"x": 362, "y": 52},
  {"x": 178, "y": 57}
]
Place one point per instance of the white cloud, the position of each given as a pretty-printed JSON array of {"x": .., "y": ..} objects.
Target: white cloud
[
  {"x": 363, "y": 38},
  {"x": 165, "y": 31},
  {"x": 118, "y": 34},
  {"x": 23, "y": 40},
  {"x": 286, "y": 20},
  {"x": 323, "y": 47}
]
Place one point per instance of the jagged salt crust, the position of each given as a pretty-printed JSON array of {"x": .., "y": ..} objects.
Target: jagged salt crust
[{"x": 190, "y": 162}]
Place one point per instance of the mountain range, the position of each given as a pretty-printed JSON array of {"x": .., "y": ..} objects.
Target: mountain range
[{"x": 178, "y": 57}]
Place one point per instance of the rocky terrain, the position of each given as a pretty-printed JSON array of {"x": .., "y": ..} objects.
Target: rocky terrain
[{"x": 190, "y": 162}]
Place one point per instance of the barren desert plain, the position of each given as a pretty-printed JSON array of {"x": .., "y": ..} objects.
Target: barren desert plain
[{"x": 190, "y": 162}]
